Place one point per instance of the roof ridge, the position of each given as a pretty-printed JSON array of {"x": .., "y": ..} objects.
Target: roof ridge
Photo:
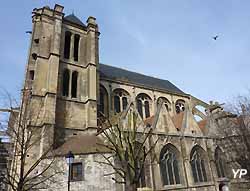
[
  {"x": 74, "y": 19},
  {"x": 135, "y": 72}
]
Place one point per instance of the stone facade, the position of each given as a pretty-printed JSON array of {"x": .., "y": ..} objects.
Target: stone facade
[
  {"x": 5, "y": 161},
  {"x": 67, "y": 81}
]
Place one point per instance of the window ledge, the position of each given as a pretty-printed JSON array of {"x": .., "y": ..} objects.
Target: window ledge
[
  {"x": 77, "y": 180},
  {"x": 181, "y": 186},
  {"x": 201, "y": 184},
  {"x": 172, "y": 187}
]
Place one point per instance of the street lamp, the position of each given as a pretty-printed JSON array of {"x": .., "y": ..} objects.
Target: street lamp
[{"x": 69, "y": 159}]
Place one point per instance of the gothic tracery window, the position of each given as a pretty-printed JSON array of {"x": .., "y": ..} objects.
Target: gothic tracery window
[
  {"x": 143, "y": 105},
  {"x": 103, "y": 102},
  {"x": 169, "y": 165},
  {"x": 220, "y": 162},
  {"x": 180, "y": 106},
  {"x": 198, "y": 165},
  {"x": 165, "y": 101},
  {"x": 120, "y": 100}
]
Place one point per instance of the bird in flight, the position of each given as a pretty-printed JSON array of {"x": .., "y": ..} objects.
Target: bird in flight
[
  {"x": 28, "y": 32},
  {"x": 215, "y": 37}
]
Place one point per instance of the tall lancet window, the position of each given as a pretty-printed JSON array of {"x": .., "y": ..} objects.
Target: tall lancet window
[
  {"x": 76, "y": 46},
  {"x": 198, "y": 164},
  {"x": 67, "y": 42},
  {"x": 169, "y": 165},
  {"x": 103, "y": 102},
  {"x": 74, "y": 84},
  {"x": 65, "y": 88}
]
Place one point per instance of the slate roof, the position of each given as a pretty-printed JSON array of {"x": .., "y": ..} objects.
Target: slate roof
[
  {"x": 73, "y": 19},
  {"x": 82, "y": 144},
  {"x": 114, "y": 73}
]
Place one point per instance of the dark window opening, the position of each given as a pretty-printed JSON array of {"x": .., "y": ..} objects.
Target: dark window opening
[
  {"x": 101, "y": 107},
  {"x": 31, "y": 74},
  {"x": 139, "y": 107},
  {"x": 34, "y": 56},
  {"x": 36, "y": 40},
  {"x": 169, "y": 167},
  {"x": 76, "y": 172},
  {"x": 67, "y": 44},
  {"x": 179, "y": 106},
  {"x": 66, "y": 82},
  {"x": 74, "y": 84},
  {"x": 203, "y": 171},
  {"x": 117, "y": 104},
  {"x": 124, "y": 103},
  {"x": 103, "y": 103},
  {"x": 76, "y": 46},
  {"x": 198, "y": 167},
  {"x": 194, "y": 170},
  {"x": 147, "y": 112}
]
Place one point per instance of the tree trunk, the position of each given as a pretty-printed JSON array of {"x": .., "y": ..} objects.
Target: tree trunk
[{"x": 130, "y": 187}]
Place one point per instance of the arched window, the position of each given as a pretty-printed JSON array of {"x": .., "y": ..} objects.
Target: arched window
[
  {"x": 76, "y": 46},
  {"x": 139, "y": 107},
  {"x": 198, "y": 164},
  {"x": 143, "y": 105},
  {"x": 67, "y": 42},
  {"x": 180, "y": 106},
  {"x": 74, "y": 84},
  {"x": 103, "y": 102},
  {"x": 147, "y": 112},
  {"x": 124, "y": 103},
  {"x": 169, "y": 165},
  {"x": 120, "y": 100},
  {"x": 65, "y": 89},
  {"x": 165, "y": 101},
  {"x": 117, "y": 104},
  {"x": 220, "y": 162}
]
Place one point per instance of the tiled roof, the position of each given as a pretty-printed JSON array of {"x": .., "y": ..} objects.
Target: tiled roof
[
  {"x": 73, "y": 19},
  {"x": 82, "y": 144},
  {"x": 149, "y": 120},
  {"x": 177, "y": 120},
  {"x": 202, "y": 124},
  {"x": 114, "y": 73}
]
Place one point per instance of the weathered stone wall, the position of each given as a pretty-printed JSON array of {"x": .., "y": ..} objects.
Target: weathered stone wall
[{"x": 94, "y": 175}]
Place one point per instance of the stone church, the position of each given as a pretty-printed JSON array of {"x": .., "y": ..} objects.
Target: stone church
[{"x": 65, "y": 76}]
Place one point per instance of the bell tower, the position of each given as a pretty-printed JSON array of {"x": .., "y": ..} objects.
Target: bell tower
[{"x": 61, "y": 75}]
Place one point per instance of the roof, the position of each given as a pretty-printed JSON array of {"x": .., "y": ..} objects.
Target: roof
[
  {"x": 202, "y": 124},
  {"x": 149, "y": 120},
  {"x": 75, "y": 20},
  {"x": 114, "y": 73},
  {"x": 82, "y": 144},
  {"x": 177, "y": 120}
]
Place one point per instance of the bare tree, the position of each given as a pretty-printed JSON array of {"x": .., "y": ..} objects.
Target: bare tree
[
  {"x": 130, "y": 148},
  {"x": 29, "y": 169},
  {"x": 234, "y": 126}
]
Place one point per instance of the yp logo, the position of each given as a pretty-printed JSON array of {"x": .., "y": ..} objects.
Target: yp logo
[{"x": 239, "y": 172}]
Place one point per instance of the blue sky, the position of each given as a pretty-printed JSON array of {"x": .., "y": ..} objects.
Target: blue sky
[{"x": 169, "y": 39}]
